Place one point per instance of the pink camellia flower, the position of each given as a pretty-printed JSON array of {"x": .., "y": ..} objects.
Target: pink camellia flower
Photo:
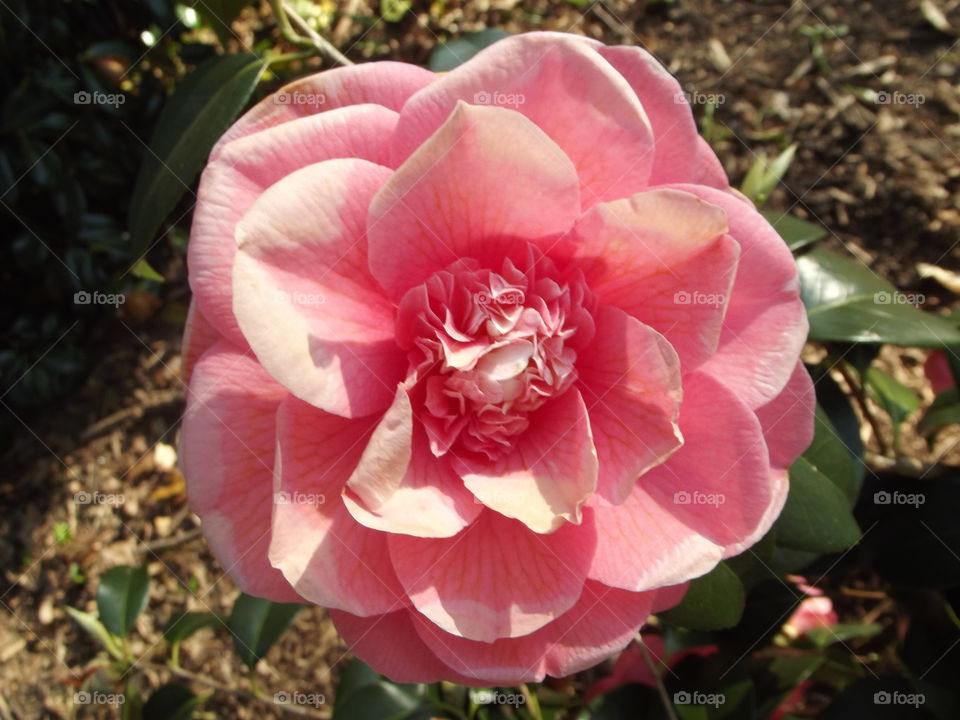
[
  {"x": 937, "y": 370},
  {"x": 490, "y": 363}
]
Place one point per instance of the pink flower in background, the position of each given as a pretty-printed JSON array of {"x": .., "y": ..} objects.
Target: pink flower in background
[
  {"x": 815, "y": 611},
  {"x": 489, "y": 364},
  {"x": 938, "y": 372}
]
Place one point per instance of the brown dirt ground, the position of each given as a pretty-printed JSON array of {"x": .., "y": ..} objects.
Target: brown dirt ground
[{"x": 883, "y": 178}]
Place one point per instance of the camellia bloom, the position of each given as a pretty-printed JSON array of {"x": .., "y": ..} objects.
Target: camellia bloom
[{"x": 490, "y": 363}]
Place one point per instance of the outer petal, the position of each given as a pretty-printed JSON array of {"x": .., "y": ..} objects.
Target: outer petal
[
  {"x": 681, "y": 154},
  {"x": 661, "y": 256},
  {"x": 718, "y": 484},
  {"x": 240, "y": 171},
  {"x": 602, "y": 622},
  {"x": 485, "y": 179},
  {"x": 642, "y": 545},
  {"x": 565, "y": 88},
  {"x": 327, "y": 334},
  {"x": 322, "y": 551},
  {"x": 496, "y": 579},
  {"x": 227, "y": 452},
  {"x": 382, "y": 83},
  {"x": 198, "y": 337},
  {"x": 549, "y": 473},
  {"x": 766, "y": 323},
  {"x": 630, "y": 377},
  {"x": 787, "y": 420},
  {"x": 391, "y": 646},
  {"x": 399, "y": 486}
]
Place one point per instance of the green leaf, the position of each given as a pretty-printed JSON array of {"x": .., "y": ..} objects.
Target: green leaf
[
  {"x": 824, "y": 636},
  {"x": 121, "y": 596},
  {"x": 394, "y": 10},
  {"x": 219, "y": 14},
  {"x": 144, "y": 271},
  {"x": 816, "y": 517},
  {"x": 713, "y": 602},
  {"x": 96, "y": 630},
  {"x": 893, "y": 396},
  {"x": 847, "y": 302},
  {"x": 764, "y": 176},
  {"x": 182, "y": 626},
  {"x": 194, "y": 117},
  {"x": 447, "y": 56},
  {"x": 944, "y": 411},
  {"x": 363, "y": 694},
  {"x": 796, "y": 233},
  {"x": 256, "y": 624},
  {"x": 828, "y": 454},
  {"x": 172, "y": 701}
]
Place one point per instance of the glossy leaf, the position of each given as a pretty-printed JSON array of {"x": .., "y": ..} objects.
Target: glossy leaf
[
  {"x": 893, "y": 396},
  {"x": 713, "y": 602},
  {"x": 364, "y": 695},
  {"x": 197, "y": 113},
  {"x": 171, "y": 702},
  {"x": 219, "y": 14},
  {"x": 121, "y": 597},
  {"x": 796, "y": 233},
  {"x": 765, "y": 175},
  {"x": 182, "y": 626},
  {"x": 96, "y": 629},
  {"x": 828, "y": 454},
  {"x": 449, "y": 55},
  {"x": 256, "y": 624},
  {"x": 816, "y": 516},
  {"x": 944, "y": 411}
]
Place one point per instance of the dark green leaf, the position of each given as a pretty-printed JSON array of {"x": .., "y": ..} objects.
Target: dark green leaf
[
  {"x": 194, "y": 117},
  {"x": 847, "y": 302},
  {"x": 825, "y": 636},
  {"x": 380, "y": 701},
  {"x": 218, "y": 14},
  {"x": 186, "y": 624},
  {"x": 828, "y": 454},
  {"x": 893, "y": 396},
  {"x": 171, "y": 702},
  {"x": 944, "y": 411},
  {"x": 713, "y": 602},
  {"x": 796, "y": 233},
  {"x": 256, "y": 624},
  {"x": 121, "y": 596},
  {"x": 839, "y": 410},
  {"x": 449, "y": 55},
  {"x": 816, "y": 517}
]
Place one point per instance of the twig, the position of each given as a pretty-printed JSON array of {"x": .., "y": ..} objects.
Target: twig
[
  {"x": 236, "y": 692},
  {"x": 658, "y": 678},
  {"x": 169, "y": 542},
  {"x": 309, "y": 37},
  {"x": 856, "y": 389},
  {"x": 162, "y": 398}
]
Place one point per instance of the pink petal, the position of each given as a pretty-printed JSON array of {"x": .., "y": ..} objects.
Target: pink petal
[
  {"x": 485, "y": 179},
  {"x": 548, "y": 475},
  {"x": 718, "y": 483},
  {"x": 198, "y": 337},
  {"x": 567, "y": 89},
  {"x": 399, "y": 486},
  {"x": 681, "y": 154},
  {"x": 766, "y": 323},
  {"x": 242, "y": 170},
  {"x": 496, "y": 578},
  {"x": 323, "y": 552},
  {"x": 602, "y": 622},
  {"x": 787, "y": 420},
  {"x": 391, "y": 646},
  {"x": 642, "y": 545},
  {"x": 382, "y": 83},
  {"x": 227, "y": 452},
  {"x": 327, "y": 334},
  {"x": 630, "y": 377},
  {"x": 661, "y": 256}
]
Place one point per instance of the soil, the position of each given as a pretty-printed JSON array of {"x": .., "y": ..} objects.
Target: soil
[{"x": 884, "y": 178}]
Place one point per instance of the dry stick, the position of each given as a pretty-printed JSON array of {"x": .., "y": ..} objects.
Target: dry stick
[
  {"x": 658, "y": 678},
  {"x": 310, "y": 37},
  {"x": 856, "y": 389},
  {"x": 237, "y": 692}
]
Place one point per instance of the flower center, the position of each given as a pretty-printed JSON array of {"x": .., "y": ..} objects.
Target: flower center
[{"x": 489, "y": 348}]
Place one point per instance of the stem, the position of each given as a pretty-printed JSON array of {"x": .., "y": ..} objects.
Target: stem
[
  {"x": 658, "y": 678},
  {"x": 856, "y": 389},
  {"x": 309, "y": 37},
  {"x": 291, "y": 57},
  {"x": 252, "y": 676},
  {"x": 533, "y": 703}
]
